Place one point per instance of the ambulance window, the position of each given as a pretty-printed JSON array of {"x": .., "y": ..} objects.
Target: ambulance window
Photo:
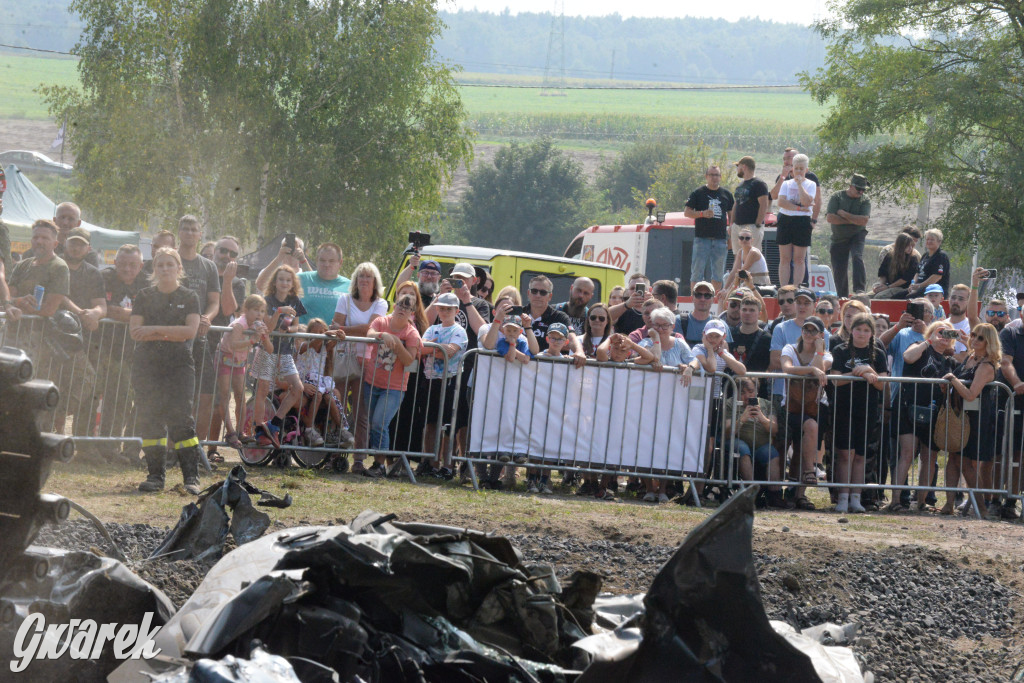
[
  {"x": 575, "y": 248},
  {"x": 561, "y": 283}
]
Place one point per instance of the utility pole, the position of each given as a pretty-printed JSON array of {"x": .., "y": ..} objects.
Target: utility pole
[{"x": 554, "y": 83}]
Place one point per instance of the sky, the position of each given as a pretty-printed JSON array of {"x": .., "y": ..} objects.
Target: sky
[{"x": 786, "y": 11}]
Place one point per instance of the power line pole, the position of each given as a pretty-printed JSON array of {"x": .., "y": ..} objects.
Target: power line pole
[{"x": 554, "y": 84}]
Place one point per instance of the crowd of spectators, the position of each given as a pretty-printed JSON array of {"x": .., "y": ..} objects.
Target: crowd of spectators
[{"x": 839, "y": 417}]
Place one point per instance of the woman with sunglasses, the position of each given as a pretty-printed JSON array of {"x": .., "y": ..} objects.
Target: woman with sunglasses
[
  {"x": 385, "y": 373},
  {"x": 918, "y": 405},
  {"x": 485, "y": 289},
  {"x": 750, "y": 262},
  {"x": 595, "y": 329},
  {"x": 969, "y": 381}
]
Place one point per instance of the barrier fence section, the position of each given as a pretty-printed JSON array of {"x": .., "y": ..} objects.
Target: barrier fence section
[
  {"x": 904, "y": 435},
  {"x": 94, "y": 376},
  {"x": 604, "y": 419}
]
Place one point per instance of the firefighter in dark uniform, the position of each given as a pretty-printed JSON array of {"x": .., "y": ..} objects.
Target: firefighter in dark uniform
[{"x": 164, "y": 321}]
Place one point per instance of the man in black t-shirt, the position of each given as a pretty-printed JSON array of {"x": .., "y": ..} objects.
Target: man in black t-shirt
[
  {"x": 787, "y": 173},
  {"x": 709, "y": 205},
  {"x": 750, "y": 344},
  {"x": 580, "y": 294},
  {"x": 752, "y": 200}
]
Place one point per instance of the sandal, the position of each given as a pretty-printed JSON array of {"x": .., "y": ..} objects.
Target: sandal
[
  {"x": 231, "y": 439},
  {"x": 896, "y": 506},
  {"x": 809, "y": 478},
  {"x": 947, "y": 509},
  {"x": 925, "y": 507},
  {"x": 803, "y": 503},
  {"x": 214, "y": 456}
]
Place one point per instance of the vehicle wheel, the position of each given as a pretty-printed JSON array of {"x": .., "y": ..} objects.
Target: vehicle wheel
[
  {"x": 254, "y": 454},
  {"x": 310, "y": 459}
]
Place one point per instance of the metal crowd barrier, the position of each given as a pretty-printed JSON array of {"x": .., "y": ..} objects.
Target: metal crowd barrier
[
  {"x": 632, "y": 434},
  {"x": 97, "y": 396},
  {"x": 982, "y": 463}
]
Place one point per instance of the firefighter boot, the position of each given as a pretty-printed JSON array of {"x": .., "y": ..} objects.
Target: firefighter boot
[
  {"x": 155, "y": 464},
  {"x": 188, "y": 458}
]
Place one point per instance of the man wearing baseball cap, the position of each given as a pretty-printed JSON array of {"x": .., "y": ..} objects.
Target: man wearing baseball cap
[
  {"x": 752, "y": 201},
  {"x": 427, "y": 273},
  {"x": 848, "y": 212},
  {"x": 691, "y": 325}
]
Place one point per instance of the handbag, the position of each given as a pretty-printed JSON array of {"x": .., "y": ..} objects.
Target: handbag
[
  {"x": 952, "y": 430},
  {"x": 346, "y": 362},
  {"x": 922, "y": 415},
  {"x": 802, "y": 396}
]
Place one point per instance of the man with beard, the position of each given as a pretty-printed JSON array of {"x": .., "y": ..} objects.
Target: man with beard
[
  {"x": 997, "y": 314},
  {"x": 580, "y": 294},
  {"x": 427, "y": 272},
  {"x": 752, "y": 200},
  {"x": 87, "y": 299}
]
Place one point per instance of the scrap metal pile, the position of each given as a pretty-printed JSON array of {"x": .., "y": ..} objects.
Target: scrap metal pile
[{"x": 382, "y": 600}]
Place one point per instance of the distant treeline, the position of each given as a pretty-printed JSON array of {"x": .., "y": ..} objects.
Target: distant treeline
[
  {"x": 745, "y": 51},
  {"x": 691, "y": 50}
]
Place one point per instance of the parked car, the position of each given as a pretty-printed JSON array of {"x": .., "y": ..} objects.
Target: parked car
[{"x": 30, "y": 162}]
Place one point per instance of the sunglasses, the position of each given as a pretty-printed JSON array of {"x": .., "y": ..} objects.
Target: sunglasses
[
  {"x": 745, "y": 239},
  {"x": 598, "y": 318},
  {"x": 539, "y": 292},
  {"x": 227, "y": 251},
  {"x": 734, "y": 304},
  {"x": 825, "y": 311},
  {"x": 703, "y": 295},
  {"x": 978, "y": 337},
  {"x": 997, "y": 314},
  {"x": 484, "y": 290},
  {"x": 786, "y": 301}
]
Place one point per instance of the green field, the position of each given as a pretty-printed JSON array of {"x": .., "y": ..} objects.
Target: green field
[
  {"x": 21, "y": 74},
  {"x": 750, "y": 119}
]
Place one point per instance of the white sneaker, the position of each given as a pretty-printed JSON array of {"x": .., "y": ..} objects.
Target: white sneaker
[
  {"x": 531, "y": 486},
  {"x": 313, "y": 437},
  {"x": 650, "y": 497},
  {"x": 843, "y": 507},
  {"x": 545, "y": 486},
  {"x": 855, "y": 505},
  {"x": 662, "y": 498}
]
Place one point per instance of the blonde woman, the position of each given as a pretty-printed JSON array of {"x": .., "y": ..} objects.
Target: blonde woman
[{"x": 968, "y": 380}]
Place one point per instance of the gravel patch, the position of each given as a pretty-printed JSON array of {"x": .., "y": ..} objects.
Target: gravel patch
[{"x": 924, "y": 615}]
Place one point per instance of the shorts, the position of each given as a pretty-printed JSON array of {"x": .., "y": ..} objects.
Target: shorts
[
  {"x": 795, "y": 230},
  {"x": 795, "y": 427},
  {"x": 708, "y": 259},
  {"x": 855, "y": 432},
  {"x": 270, "y": 366},
  {"x": 227, "y": 368},
  {"x": 433, "y": 399},
  {"x": 206, "y": 368}
]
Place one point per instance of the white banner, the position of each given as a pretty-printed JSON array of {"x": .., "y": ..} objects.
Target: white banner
[{"x": 601, "y": 415}]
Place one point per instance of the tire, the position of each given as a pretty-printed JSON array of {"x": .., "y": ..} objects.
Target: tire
[
  {"x": 256, "y": 455},
  {"x": 310, "y": 459}
]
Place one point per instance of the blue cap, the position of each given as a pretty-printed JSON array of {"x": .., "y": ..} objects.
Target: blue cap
[
  {"x": 933, "y": 289},
  {"x": 559, "y": 328}
]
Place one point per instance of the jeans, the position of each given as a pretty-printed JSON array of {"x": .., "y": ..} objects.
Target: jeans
[
  {"x": 841, "y": 251},
  {"x": 764, "y": 454},
  {"x": 708, "y": 259},
  {"x": 382, "y": 405}
]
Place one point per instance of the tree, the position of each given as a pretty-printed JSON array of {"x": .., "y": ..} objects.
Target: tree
[
  {"x": 528, "y": 199},
  {"x": 632, "y": 171},
  {"x": 926, "y": 88},
  {"x": 264, "y": 116},
  {"x": 676, "y": 178}
]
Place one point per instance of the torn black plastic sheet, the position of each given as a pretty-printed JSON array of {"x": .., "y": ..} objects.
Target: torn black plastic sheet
[
  {"x": 382, "y": 601},
  {"x": 204, "y": 526},
  {"x": 72, "y": 585}
]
